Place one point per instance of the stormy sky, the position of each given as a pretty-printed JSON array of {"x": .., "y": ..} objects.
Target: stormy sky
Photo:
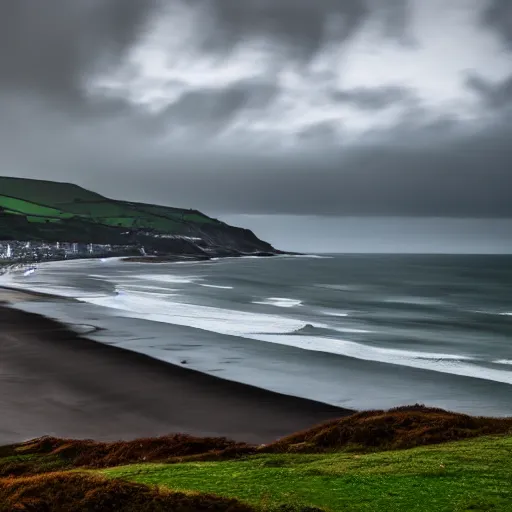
[{"x": 318, "y": 108}]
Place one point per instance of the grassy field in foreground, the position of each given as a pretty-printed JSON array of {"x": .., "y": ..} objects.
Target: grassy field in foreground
[{"x": 472, "y": 475}]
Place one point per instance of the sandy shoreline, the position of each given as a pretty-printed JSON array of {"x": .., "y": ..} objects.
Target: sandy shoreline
[{"x": 55, "y": 382}]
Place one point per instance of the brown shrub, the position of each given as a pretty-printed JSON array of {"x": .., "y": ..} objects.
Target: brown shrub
[
  {"x": 7, "y": 451},
  {"x": 95, "y": 454},
  {"x": 77, "y": 493},
  {"x": 403, "y": 427}
]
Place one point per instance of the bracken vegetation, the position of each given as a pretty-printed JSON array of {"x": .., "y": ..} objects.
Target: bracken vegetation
[
  {"x": 43, "y": 454},
  {"x": 94, "y": 454},
  {"x": 78, "y": 493},
  {"x": 403, "y": 427},
  {"x": 400, "y": 428}
]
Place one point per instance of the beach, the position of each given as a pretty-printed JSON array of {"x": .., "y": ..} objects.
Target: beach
[{"x": 56, "y": 382}]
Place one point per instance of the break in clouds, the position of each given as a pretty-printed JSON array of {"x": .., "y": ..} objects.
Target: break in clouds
[{"x": 314, "y": 107}]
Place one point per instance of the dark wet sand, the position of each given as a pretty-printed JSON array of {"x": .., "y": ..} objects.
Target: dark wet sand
[{"x": 54, "y": 382}]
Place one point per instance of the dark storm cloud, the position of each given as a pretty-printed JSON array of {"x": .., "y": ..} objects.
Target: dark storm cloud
[
  {"x": 496, "y": 95},
  {"x": 395, "y": 19},
  {"x": 423, "y": 164},
  {"x": 321, "y": 133},
  {"x": 499, "y": 16},
  {"x": 49, "y": 47},
  {"x": 468, "y": 177},
  {"x": 298, "y": 24},
  {"x": 429, "y": 173}
]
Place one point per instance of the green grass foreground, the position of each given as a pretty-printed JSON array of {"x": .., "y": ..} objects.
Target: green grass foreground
[{"x": 472, "y": 475}]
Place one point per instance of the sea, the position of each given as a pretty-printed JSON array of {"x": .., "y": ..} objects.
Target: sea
[{"x": 358, "y": 331}]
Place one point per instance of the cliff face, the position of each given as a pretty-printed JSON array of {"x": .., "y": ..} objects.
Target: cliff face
[{"x": 48, "y": 220}]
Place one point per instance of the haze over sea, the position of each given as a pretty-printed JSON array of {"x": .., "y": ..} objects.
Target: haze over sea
[{"x": 359, "y": 331}]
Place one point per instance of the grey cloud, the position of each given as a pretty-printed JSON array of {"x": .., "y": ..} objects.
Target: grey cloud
[
  {"x": 50, "y": 47},
  {"x": 468, "y": 178},
  {"x": 395, "y": 19},
  {"x": 321, "y": 133},
  {"x": 420, "y": 170},
  {"x": 300, "y": 27},
  {"x": 495, "y": 95},
  {"x": 499, "y": 16},
  {"x": 375, "y": 98},
  {"x": 303, "y": 26},
  {"x": 207, "y": 106},
  {"x": 429, "y": 174},
  {"x": 212, "y": 109}
]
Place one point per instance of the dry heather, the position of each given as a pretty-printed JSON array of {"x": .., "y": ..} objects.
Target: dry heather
[
  {"x": 95, "y": 454},
  {"x": 403, "y": 427},
  {"x": 77, "y": 492}
]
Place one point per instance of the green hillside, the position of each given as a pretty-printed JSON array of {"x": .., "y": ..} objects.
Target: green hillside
[
  {"x": 49, "y": 202},
  {"x": 50, "y": 193},
  {"x": 50, "y": 212}
]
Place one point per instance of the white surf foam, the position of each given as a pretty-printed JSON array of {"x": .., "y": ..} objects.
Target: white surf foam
[
  {"x": 279, "y": 330},
  {"x": 143, "y": 287},
  {"x": 223, "y": 321},
  {"x": 279, "y": 302},
  {"x": 335, "y": 313},
  {"x": 346, "y": 287},
  {"x": 166, "y": 278},
  {"x": 417, "y": 301},
  {"x": 149, "y": 294},
  {"x": 483, "y": 312},
  {"x": 349, "y": 330},
  {"x": 312, "y": 256},
  {"x": 32, "y": 284},
  {"x": 217, "y": 286}
]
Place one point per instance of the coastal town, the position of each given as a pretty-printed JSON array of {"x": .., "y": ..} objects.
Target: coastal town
[{"x": 36, "y": 251}]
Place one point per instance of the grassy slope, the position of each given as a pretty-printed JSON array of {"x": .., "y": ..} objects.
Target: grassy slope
[
  {"x": 460, "y": 476},
  {"x": 45, "y": 192},
  {"x": 50, "y": 202}
]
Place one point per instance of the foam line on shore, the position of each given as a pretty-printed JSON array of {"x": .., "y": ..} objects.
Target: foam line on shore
[{"x": 278, "y": 329}]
